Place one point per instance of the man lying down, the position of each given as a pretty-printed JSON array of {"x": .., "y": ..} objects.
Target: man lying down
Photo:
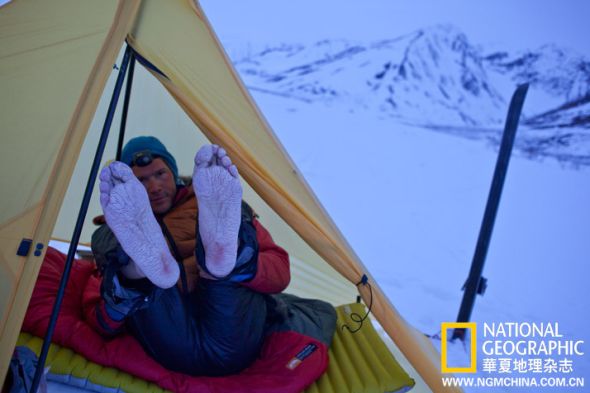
[{"x": 187, "y": 268}]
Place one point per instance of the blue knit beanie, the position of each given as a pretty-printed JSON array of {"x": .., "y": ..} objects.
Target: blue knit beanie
[{"x": 152, "y": 145}]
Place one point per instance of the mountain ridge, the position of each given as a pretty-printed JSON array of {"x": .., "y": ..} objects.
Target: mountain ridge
[{"x": 436, "y": 78}]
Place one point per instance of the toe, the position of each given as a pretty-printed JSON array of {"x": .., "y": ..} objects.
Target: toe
[
  {"x": 105, "y": 175},
  {"x": 225, "y": 162},
  {"x": 204, "y": 156},
  {"x": 105, "y": 187},
  {"x": 121, "y": 171},
  {"x": 233, "y": 170}
]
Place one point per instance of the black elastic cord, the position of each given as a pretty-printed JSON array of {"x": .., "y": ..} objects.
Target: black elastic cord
[{"x": 357, "y": 317}]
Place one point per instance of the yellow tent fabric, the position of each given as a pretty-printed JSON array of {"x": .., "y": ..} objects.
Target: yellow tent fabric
[{"x": 55, "y": 58}]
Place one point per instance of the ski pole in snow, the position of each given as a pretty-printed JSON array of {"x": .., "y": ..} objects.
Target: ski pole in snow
[{"x": 475, "y": 283}]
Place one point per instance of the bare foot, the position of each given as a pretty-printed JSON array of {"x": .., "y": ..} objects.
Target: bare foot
[
  {"x": 127, "y": 210},
  {"x": 219, "y": 193}
]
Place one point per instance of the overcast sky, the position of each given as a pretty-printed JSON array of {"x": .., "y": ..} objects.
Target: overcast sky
[
  {"x": 516, "y": 24},
  {"x": 510, "y": 24}
]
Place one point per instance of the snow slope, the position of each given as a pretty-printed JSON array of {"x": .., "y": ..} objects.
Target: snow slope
[
  {"x": 410, "y": 201},
  {"x": 399, "y": 140}
]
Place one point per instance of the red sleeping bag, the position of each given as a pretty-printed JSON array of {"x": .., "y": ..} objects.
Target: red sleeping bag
[{"x": 284, "y": 365}]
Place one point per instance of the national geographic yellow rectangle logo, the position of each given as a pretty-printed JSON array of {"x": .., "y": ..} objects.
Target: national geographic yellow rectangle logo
[{"x": 445, "y": 326}]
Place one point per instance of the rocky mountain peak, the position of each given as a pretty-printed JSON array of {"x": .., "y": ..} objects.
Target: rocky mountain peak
[{"x": 433, "y": 77}]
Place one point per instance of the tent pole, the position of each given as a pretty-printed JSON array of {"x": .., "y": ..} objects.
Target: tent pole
[
  {"x": 80, "y": 221},
  {"x": 475, "y": 282},
  {"x": 126, "y": 104}
]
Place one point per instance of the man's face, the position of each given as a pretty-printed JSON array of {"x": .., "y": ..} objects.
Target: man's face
[{"x": 159, "y": 182}]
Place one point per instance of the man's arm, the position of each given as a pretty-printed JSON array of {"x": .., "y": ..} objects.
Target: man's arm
[
  {"x": 107, "y": 300},
  {"x": 104, "y": 248},
  {"x": 273, "y": 267},
  {"x": 95, "y": 310}
]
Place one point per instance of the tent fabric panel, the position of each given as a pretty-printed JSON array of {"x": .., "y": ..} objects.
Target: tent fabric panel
[
  {"x": 204, "y": 83},
  {"x": 308, "y": 281},
  {"x": 45, "y": 38},
  {"x": 46, "y": 55},
  {"x": 12, "y": 266}
]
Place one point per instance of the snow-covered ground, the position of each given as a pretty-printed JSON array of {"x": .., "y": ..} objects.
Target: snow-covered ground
[{"x": 410, "y": 201}]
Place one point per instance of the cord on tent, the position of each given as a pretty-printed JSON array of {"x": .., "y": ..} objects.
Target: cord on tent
[{"x": 355, "y": 316}]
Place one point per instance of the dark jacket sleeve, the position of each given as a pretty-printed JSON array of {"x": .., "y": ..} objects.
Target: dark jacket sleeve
[
  {"x": 106, "y": 303},
  {"x": 95, "y": 313},
  {"x": 273, "y": 271},
  {"x": 104, "y": 247}
]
